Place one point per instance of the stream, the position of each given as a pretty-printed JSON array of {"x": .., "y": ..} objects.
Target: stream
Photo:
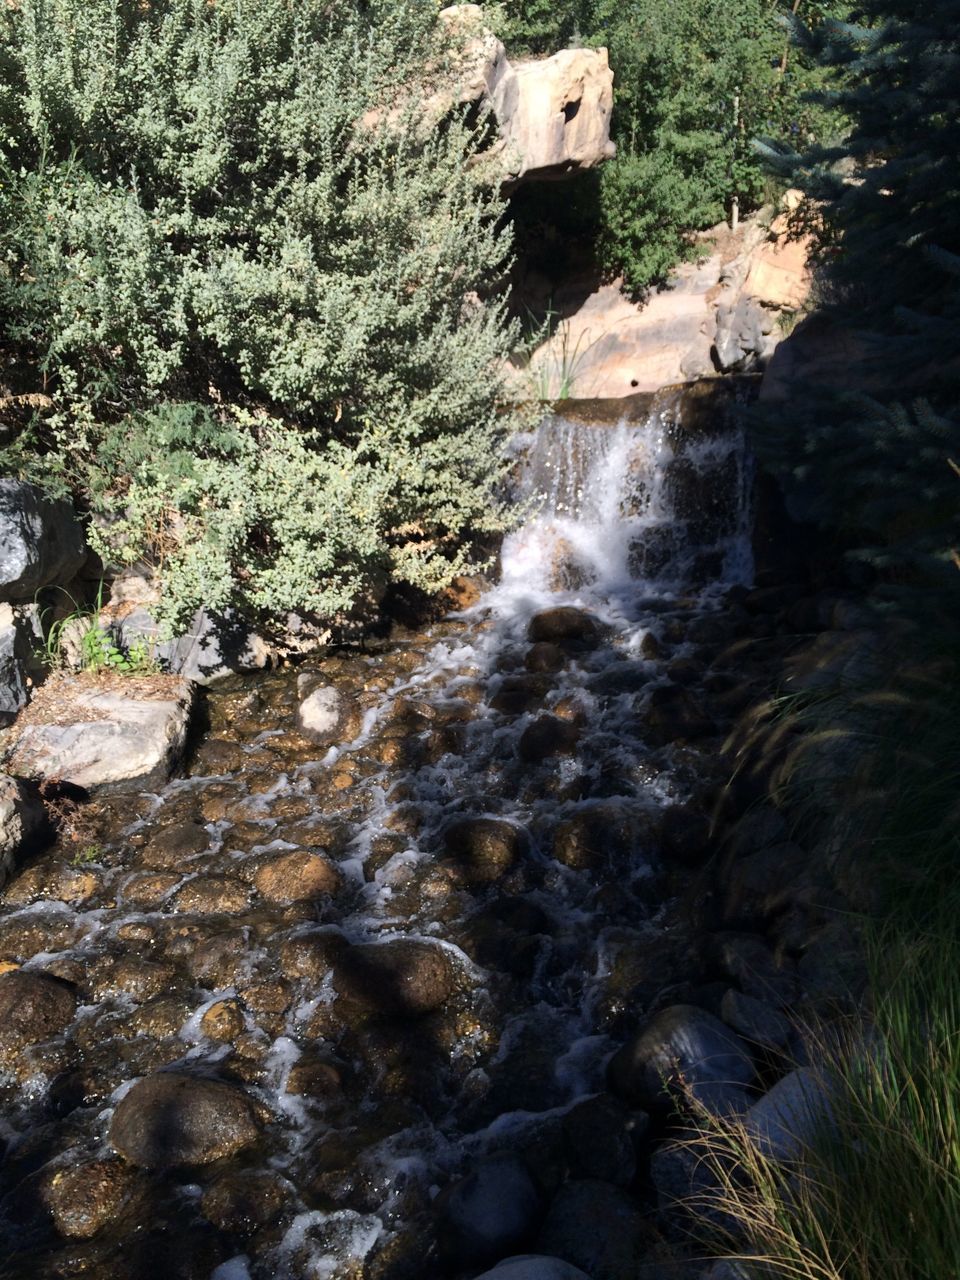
[{"x": 413, "y": 950}]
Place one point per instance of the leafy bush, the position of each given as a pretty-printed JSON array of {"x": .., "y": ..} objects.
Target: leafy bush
[{"x": 249, "y": 277}]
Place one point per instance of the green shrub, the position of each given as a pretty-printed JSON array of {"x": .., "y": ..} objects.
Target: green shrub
[{"x": 250, "y": 278}]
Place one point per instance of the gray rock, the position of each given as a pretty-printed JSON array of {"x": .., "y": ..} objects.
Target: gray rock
[
  {"x": 326, "y": 714},
  {"x": 758, "y": 1022},
  {"x": 41, "y": 541},
  {"x": 169, "y": 1120},
  {"x": 492, "y": 1210},
  {"x": 786, "y": 1118},
  {"x": 532, "y": 1266},
  {"x": 22, "y": 821},
  {"x": 683, "y": 1049},
  {"x": 597, "y": 1227},
  {"x": 107, "y": 740},
  {"x": 689, "y": 1191},
  {"x": 20, "y": 639},
  {"x": 213, "y": 646},
  {"x": 743, "y": 335}
]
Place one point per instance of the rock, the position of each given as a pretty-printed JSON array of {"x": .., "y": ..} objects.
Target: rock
[
  {"x": 241, "y": 1202},
  {"x": 545, "y": 656},
  {"x": 107, "y": 739},
  {"x": 168, "y": 1120},
  {"x": 599, "y": 1136},
  {"x": 689, "y": 1191},
  {"x": 758, "y": 1022},
  {"x": 20, "y": 642},
  {"x": 683, "y": 1048},
  {"x": 778, "y": 275},
  {"x": 400, "y": 978},
  {"x": 170, "y": 847},
  {"x": 547, "y": 736},
  {"x": 552, "y": 114},
  {"x": 22, "y": 822},
  {"x": 743, "y": 337},
  {"x": 673, "y": 713},
  {"x": 41, "y": 541},
  {"x": 83, "y": 1198},
  {"x": 597, "y": 1227},
  {"x": 211, "y": 895},
  {"x": 530, "y": 1266},
  {"x": 299, "y": 876},
  {"x": 483, "y": 849},
  {"x": 788, "y": 1117},
  {"x": 758, "y": 886},
  {"x": 685, "y": 833},
  {"x": 33, "y": 1008},
  {"x": 213, "y": 646},
  {"x": 223, "y": 1021},
  {"x": 562, "y": 626},
  {"x": 325, "y": 714},
  {"x": 492, "y": 1210}
]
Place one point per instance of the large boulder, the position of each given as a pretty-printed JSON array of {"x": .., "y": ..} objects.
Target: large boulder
[
  {"x": 552, "y": 115},
  {"x": 22, "y": 820},
  {"x": 41, "y": 541},
  {"x": 790, "y": 1115},
  {"x": 681, "y": 1050},
  {"x": 170, "y": 1120},
  {"x": 118, "y": 733}
]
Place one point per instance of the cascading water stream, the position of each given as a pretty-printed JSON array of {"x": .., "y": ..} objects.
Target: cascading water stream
[{"x": 637, "y": 528}]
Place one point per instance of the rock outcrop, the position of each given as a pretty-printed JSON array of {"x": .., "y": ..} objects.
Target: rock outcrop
[
  {"x": 21, "y": 820},
  {"x": 41, "y": 541},
  {"x": 552, "y": 115}
]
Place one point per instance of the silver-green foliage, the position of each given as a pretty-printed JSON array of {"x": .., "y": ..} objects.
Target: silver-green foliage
[{"x": 249, "y": 274}]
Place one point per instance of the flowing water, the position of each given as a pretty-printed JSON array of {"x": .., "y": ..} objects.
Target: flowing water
[{"x": 542, "y": 937}]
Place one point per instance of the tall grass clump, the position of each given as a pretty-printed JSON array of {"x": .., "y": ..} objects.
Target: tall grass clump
[
  {"x": 873, "y": 1189},
  {"x": 245, "y": 274}
]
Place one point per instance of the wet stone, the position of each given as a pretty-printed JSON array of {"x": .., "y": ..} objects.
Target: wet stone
[
  {"x": 299, "y": 876},
  {"x": 169, "y": 1120},
  {"x": 32, "y": 1008},
  {"x": 518, "y": 694},
  {"x": 168, "y": 848},
  {"x": 223, "y": 1021},
  {"x": 148, "y": 890},
  {"x": 158, "y": 1018},
  {"x": 401, "y": 978},
  {"x": 84, "y": 1198},
  {"x": 545, "y": 656},
  {"x": 25, "y": 936},
  {"x": 483, "y": 849},
  {"x": 599, "y": 1135},
  {"x": 54, "y": 882},
  {"x": 211, "y": 895},
  {"x": 241, "y": 1203},
  {"x": 673, "y": 713},
  {"x": 547, "y": 736},
  {"x": 562, "y": 625},
  {"x": 128, "y": 976}
]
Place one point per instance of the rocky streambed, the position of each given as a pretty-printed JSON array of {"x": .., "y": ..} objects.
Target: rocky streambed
[{"x": 396, "y": 980}]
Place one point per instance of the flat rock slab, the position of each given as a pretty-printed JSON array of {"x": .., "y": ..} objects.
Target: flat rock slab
[{"x": 114, "y": 733}]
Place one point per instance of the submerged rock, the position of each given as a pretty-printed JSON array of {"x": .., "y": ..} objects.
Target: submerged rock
[
  {"x": 547, "y": 736},
  {"x": 168, "y": 1120},
  {"x": 483, "y": 849},
  {"x": 84, "y": 1198},
  {"x": 299, "y": 876},
  {"x": 562, "y": 625},
  {"x": 683, "y": 1048},
  {"x": 33, "y": 1008},
  {"x": 400, "y": 978},
  {"x": 325, "y": 715}
]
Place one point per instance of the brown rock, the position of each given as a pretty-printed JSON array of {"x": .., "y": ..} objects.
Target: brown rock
[
  {"x": 299, "y": 876},
  {"x": 169, "y": 1120},
  {"x": 483, "y": 849},
  {"x": 84, "y": 1198},
  {"x": 547, "y": 736},
  {"x": 212, "y": 895},
  {"x": 223, "y": 1021},
  {"x": 240, "y": 1203},
  {"x": 564, "y": 625},
  {"x": 32, "y": 1008},
  {"x": 149, "y": 890},
  {"x": 401, "y": 978}
]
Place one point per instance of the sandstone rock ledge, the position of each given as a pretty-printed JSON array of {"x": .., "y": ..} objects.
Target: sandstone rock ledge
[{"x": 105, "y": 732}]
